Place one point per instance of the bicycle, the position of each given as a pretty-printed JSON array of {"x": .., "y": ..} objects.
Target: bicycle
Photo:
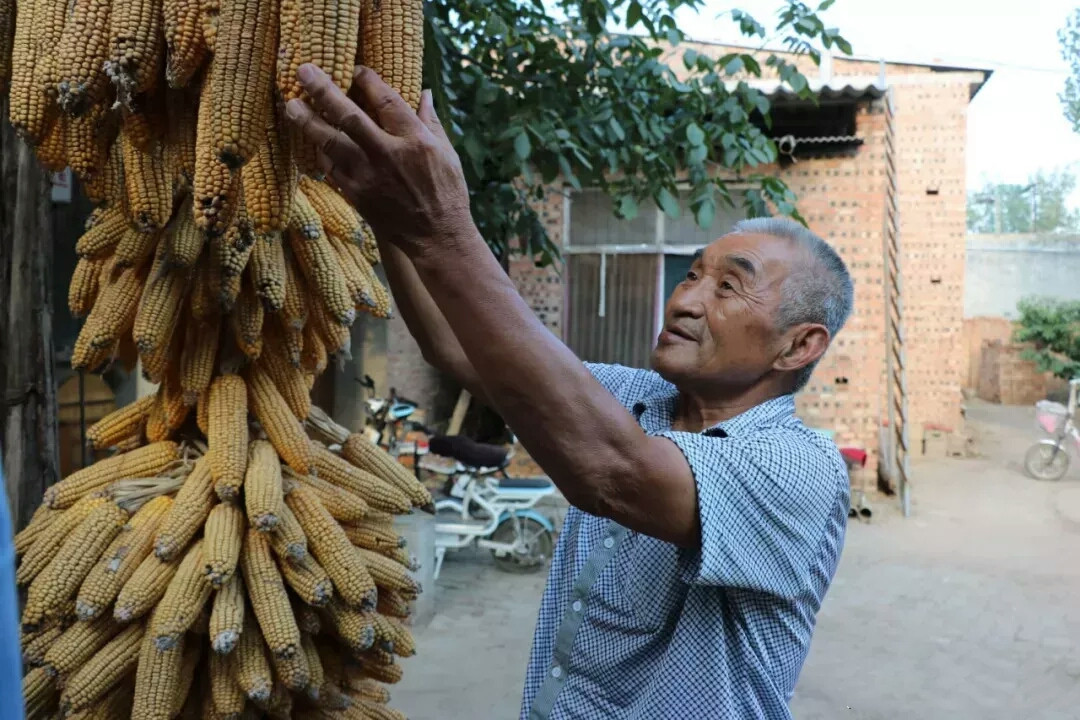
[{"x": 1048, "y": 459}]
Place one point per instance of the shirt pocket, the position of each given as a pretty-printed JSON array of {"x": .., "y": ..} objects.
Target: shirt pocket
[{"x": 651, "y": 577}]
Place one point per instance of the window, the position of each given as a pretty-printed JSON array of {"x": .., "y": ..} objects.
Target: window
[{"x": 619, "y": 273}]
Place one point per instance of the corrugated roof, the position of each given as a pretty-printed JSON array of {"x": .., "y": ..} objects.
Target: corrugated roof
[{"x": 840, "y": 88}]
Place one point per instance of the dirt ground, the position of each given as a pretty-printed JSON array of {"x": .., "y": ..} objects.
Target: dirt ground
[{"x": 969, "y": 609}]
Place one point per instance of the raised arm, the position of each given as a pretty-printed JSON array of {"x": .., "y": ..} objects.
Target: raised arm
[
  {"x": 403, "y": 174},
  {"x": 426, "y": 322}
]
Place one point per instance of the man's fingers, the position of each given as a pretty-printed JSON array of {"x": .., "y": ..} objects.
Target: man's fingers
[
  {"x": 383, "y": 103},
  {"x": 426, "y": 113},
  {"x": 329, "y": 101},
  {"x": 338, "y": 148}
]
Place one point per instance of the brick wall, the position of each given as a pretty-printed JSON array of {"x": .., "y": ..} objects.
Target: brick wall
[
  {"x": 978, "y": 331},
  {"x": 1006, "y": 378}
]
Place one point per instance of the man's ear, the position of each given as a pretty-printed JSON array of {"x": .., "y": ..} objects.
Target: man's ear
[{"x": 806, "y": 344}]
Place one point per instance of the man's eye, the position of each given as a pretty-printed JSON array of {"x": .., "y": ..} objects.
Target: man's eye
[
  {"x": 691, "y": 275},
  {"x": 725, "y": 285}
]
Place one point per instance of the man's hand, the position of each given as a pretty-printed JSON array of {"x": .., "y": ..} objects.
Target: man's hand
[{"x": 396, "y": 166}]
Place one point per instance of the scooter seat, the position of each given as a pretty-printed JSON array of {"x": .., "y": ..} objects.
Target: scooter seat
[
  {"x": 468, "y": 452},
  {"x": 525, "y": 483}
]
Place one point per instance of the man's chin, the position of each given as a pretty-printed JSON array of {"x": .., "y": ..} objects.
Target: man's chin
[{"x": 667, "y": 364}]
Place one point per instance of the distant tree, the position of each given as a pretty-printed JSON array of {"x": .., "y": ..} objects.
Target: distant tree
[
  {"x": 1069, "y": 37},
  {"x": 1052, "y": 328},
  {"x": 1040, "y": 206}
]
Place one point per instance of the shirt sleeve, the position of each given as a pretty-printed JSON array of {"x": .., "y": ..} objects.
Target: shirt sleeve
[
  {"x": 772, "y": 512},
  {"x": 612, "y": 377}
]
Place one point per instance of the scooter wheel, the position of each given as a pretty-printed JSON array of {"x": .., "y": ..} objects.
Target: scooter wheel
[
  {"x": 538, "y": 545},
  {"x": 1046, "y": 462}
]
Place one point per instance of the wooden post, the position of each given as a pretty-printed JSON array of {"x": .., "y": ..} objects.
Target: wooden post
[
  {"x": 28, "y": 427},
  {"x": 460, "y": 409}
]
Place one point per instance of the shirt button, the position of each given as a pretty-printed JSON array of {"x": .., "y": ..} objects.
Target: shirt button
[
  {"x": 556, "y": 672},
  {"x": 577, "y": 606},
  {"x": 609, "y": 542}
]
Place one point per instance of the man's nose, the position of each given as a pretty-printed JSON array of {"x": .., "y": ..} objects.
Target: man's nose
[{"x": 687, "y": 302}]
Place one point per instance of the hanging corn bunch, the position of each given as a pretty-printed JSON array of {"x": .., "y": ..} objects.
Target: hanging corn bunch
[{"x": 234, "y": 554}]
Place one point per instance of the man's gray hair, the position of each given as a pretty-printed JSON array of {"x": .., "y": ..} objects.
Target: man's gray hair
[{"x": 821, "y": 293}]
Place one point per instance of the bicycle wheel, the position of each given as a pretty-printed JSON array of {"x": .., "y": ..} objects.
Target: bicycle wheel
[
  {"x": 534, "y": 551},
  {"x": 1046, "y": 462}
]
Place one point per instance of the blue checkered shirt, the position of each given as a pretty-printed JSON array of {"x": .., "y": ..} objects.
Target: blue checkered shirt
[{"x": 635, "y": 628}]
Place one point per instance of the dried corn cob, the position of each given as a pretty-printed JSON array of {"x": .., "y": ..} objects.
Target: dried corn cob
[
  {"x": 113, "y": 314},
  {"x": 147, "y": 461},
  {"x": 308, "y": 580},
  {"x": 316, "y": 676},
  {"x": 250, "y": 666},
  {"x": 229, "y": 699},
  {"x": 215, "y": 187},
  {"x": 182, "y": 23},
  {"x": 227, "y": 616},
  {"x": 330, "y": 40},
  {"x": 389, "y": 574},
  {"x": 343, "y": 506},
  {"x": 316, "y": 258},
  {"x": 183, "y": 600},
  {"x": 295, "y": 309},
  {"x": 269, "y": 182},
  {"x": 199, "y": 354},
  {"x": 224, "y": 535},
  {"x": 244, "y": 57},
  {"x": 228, "y": 434},
  {"x": 185, "y": 240},
  {"x": 209, "y": 13},
  {"x": 292, "y": 671},
  {"x": 160, "y": 307},
  {"x": 263, "y": 495},
  {"x": 268, "y": 270},
  {"x": 332, "y": 549},
  {"x": 72, "y": 563},
  {"x": 313, "y": 357},
  {"x": 145, "y": 588},
  {"x": 42, "y": 518},
  {"x": 39, "y": 691},
  {"x": 119, "y": 424},
  {"x": 307, "y": 618},
  {"x": 377, "y": 711},
  {"x": 84, "y": 286},
  {"x": 149, "y": 188},
  {"x": 29, "y": 106},
  {"x": 188, "y": 512},
  {"x": 247, "y": 320},
  {"x": 355, "y": 627},
  {"x": 393, "y": 44},
  {"x": 374, "y": 536},
  {"x": 357, "y": 281},
  {"x": 134, "y": 248},
  {"x": 379, "y": 665},
  {"x": 368, "y": 456},
  {"x": 368, "y": 689},
  {"x": 33, "y": 654},
  {"x": 283, "y": 429},
  {"x": 268, "y": 597},
  {"x": 378, "y": 493},
  {"x": 121, "y": 559},
  {"x": 287, "y": 378},
  {"x": 158, "y": 677},
  {"x": 105, "y": 669},
  {"x": 338, "y": 217},
  {"x": 292, "y": 26},
  {"x": 81, "y": 54},
  {"x": 288, "y": 539},
  {"x": 135, "y": 48},
  {"x": 392, "y": 632}
]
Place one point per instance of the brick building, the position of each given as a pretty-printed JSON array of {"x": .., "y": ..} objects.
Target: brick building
[{"x": 606, "y": 298}]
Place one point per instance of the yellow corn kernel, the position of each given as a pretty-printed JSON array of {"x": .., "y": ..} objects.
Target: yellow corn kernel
[
  {"x": 244, "y": 58},
  {"x": 295, "y": 309},
  {"x": 336, "y": 338},
  {"x": 149, "y": 189},
  {"x": 52, "y": 150},
  {"x": 368, "y": 689},
  {"x": 145, "y": 588},
  {"x": 199, "y": 356},
  {"x": 227, "y": 615},
  {"x": 185, "y": 242},
  {"x": 135, "y": 48},
  {"x": 60, "y": 579},
  {"x": 288, "y": 539},
  {"x": 114, "y": 311},
  {"x": 269, "y": 600},
  {"x": 42, "y": 518},
  {"x": 269, "y": 182},
  {"x": 389, "y": 574},
  {"x": 356, "y": 280},
  {"x": 134, "y": 248},
  {"x": 263, "y": 495},
  {"x": 381, "y": 305},
  {"x": 121, "y": 559},
  {"x": 224, "y": 534},
  {"x": 393, "y": 44},
  {"x": 377, "y": 711},
  {"x": 316, "y": 676},
  {"x": 156, "y": 428},
  {"x": 103, "y": 231},
  {"x": 292, "y": 26},
  {"x": 84, "y": 286},
  {"x": 78, "y": 644},
  {"x": 229, "y": 699},
  {"x": 209, "y": 14},
  {"x": 228, "y": 434},
  {"x": 146, "y": 461},
  {"x": 374, "y": 536},
  {"x": 29, "y": 110},
  {"x": 292, "y": 671},
  {"x": 285, "y": 432},
  {"x": 331, "y": 547},
  {"x": 51, "y": 537},
  {"x": 183, "y": 600},
  {"x": 317, "y": 261},
  {"x": 377, "y": 492},
  {"x": 160, "y": 307},
  {"x": 187, "y": 50},
  {"x": 118, "y": 658},
  {"x": 202, "y": 412},
  {"x": 39, "y": 690},
  {"x": 330, "y": 38},
  {"x": 249, "y": 663},
  {"x": 339, "y": 218},
  {"x": 308, "y": 580},
  {"x": 159, "y": 675},
  {"x": 366, "y": 455},
  {"x": 181, "y": 124},
  {"x": 313, "y": 356},
  {"x": 355, "y": 627},
  {"x": 288, "y": 378},
  {"x": 33, "y": 654},
  {"x": 81, "y": 54},
  {"x": 268, "y": 270},
  {"x": 247, "y": 320}
]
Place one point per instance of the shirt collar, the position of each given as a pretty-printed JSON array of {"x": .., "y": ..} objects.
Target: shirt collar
[{"x": 656, "y": 409}]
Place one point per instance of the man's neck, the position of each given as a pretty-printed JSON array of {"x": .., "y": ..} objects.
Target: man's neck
[{"x": 695, "y": 412}]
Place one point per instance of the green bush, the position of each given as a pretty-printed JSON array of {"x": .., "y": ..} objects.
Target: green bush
[{"x": 1052, "y": 329}]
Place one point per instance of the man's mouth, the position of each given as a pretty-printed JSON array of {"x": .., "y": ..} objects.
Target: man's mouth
[{"x": 675, "y": 332}]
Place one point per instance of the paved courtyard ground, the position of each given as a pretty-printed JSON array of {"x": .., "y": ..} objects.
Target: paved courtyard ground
[{"x": 969, "y": 609}]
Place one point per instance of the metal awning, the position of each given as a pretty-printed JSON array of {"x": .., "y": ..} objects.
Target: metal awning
[{"x": 839, "y": 88}]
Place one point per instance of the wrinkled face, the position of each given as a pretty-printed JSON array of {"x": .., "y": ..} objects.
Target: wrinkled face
[{"x": 719, "y": 323}]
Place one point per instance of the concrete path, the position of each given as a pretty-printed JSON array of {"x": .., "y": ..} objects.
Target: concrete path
[{"x": 970, "y": 609}]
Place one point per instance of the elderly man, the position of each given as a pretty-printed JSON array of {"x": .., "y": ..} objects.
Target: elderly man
[{"x": 707, "y": 520}]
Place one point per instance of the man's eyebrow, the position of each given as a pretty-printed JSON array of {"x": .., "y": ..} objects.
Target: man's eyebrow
[
  {"x": 743, "y": 263},
  {"x": 698, "y": 255}
]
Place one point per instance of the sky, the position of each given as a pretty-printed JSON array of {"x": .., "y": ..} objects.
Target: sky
[{"x": 1015, "y": 123}]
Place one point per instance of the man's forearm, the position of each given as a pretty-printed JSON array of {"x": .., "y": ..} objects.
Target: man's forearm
[
  {"x": 425, "y": 321},
  {"x": 569, "y": 423}
]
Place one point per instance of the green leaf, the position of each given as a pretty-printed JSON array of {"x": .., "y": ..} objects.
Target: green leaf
[
  {"x": 627, "y": 207},
  {"x": 697, "y": 155},
  {"x": 633, "y": 14},
  {"x": 825, "y": 5},
  {"x": 667, "y": 202},
  {"x": 690, "y": 58},
  {"x": 522, "y": 146},
  {"x": 735, "y": 65},
  {"x": 694, "y": 134},
  {"x": 705, "y": 214},
  {"x": 617, "y": 129}
]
